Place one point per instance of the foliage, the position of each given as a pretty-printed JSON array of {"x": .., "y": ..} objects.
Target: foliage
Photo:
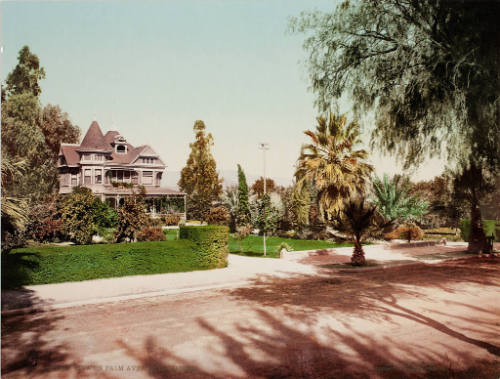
[
  {"x": 14, "y": 209},
  {"x": 408, "y": 232},
  {"x": 218, "y": 216},
  {"x": 331, "y": 164},
  {"x": 427, "y": 69},
  {"x": 230, "y": 200},
  {"x": 357, "y": 219},
  {"x": 30, "y": 134},
  {"x": 25, "y": 76},
  {"x": 394, "y": 202},
  {"x": 490, "y": 227},
  {"x": 44, "y": 224},
  {"x": 171, "y": 219},
  {"x": 445, "y": 209},
  {"x": 56, "y": 264},
  {"x": 151, "y": 233},
  {"x": 104, "y": 215},
  {"x": 242, "y": 232},
  {"x": 57, "y": 128},
  {"x": 243, "y": 216},
  {"x": 282, "y": 246},
  {"x": 199, "y": 178},
  {"x": 258, "y": 186},
  {"x": 132, "y": 218},
  {"x": 78, "y": 211},
  {"x": 267, "y": 215},
  {"x": 211, "y": 241}
]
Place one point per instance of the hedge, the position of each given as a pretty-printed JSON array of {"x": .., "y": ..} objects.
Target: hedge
[
  {"x": 55, "y": 264},
  {"x": 211, "y": 241},
  {"x": 489, "y": 226}
]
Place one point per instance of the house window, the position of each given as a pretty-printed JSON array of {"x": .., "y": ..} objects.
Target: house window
[
  {"x": 86, "y": 157},
  {"x": 119, "y": 176},
  {"x": 135, "y": 178},
  {"x": 74, "y": 180},
  {"x": 147, "y": 177},
  {"x": 64, "y": 180},
  {"x": 98, "y": 176},
  {"x": 126, "y": 176},
  {"x": 88, "y": 177},
  {"x": 158, "y": 179},
  {"x": 98, "y": 157},
  {"x": 121, "y": 149}
]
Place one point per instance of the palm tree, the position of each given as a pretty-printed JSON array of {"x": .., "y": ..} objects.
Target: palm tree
[
  {"x": 357, "y": 219},
  {"x": 14, "y": 209},
  {"x": 394, "y": 203},
  {"x": 332, "y": 164}
]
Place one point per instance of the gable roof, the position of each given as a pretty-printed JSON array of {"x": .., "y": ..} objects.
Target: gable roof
[
  {"x": 70, "y": 154},
  {"x": 94, "y": 139}
]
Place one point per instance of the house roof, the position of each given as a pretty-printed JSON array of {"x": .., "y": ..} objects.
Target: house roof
[
  {"x": 94, "y": 139},
  {"x": 70, "y": 154}
]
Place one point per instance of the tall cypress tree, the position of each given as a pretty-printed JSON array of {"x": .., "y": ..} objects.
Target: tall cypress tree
[
  {"x": 243, "y": 217},
  {"x": 199, "y": 178}
]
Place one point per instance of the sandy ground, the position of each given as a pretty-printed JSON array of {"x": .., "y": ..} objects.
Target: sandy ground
[{"x": 419, "y": 320}]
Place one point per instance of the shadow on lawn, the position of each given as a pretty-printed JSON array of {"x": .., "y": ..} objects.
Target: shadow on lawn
[
  {"x": 16, "y": 268},
  {"x": 292, "y": 353}
]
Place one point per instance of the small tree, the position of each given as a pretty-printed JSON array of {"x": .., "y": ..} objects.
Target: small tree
[
  {"x": 218, "y": 216},
  {"x": 357, "y": 219},
  {"x": 199, "y": 178},
  {"x": 258, "y": 186},
  {"x": 132, "y": 218},
  {"x": 78, "y": 214},
  {"x": 267, "y": 215},
  {"x": 243, "y": 214}
]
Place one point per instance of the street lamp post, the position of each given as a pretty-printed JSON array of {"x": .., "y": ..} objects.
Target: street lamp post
[{"x": 264, "y": 146}]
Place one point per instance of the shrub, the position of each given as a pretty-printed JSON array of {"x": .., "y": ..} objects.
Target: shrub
[
  {"x": 489, "y": 227},
  {"x": 282, "y": 246},
  {"x": 171, "y": 219},
  {"x": 218, "y": 216},
  {"x": 43, "y": 224},
  {"x": 132, "y": 218},
  {"x": 408, "y": 232},
  {"x": 212, "y": 243},
  {"x": 78, "y": 214},
  {"x": 151, "y": 233}
]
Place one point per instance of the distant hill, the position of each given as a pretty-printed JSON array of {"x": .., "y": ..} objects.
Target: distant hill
[{"x": 170, "y": 179}]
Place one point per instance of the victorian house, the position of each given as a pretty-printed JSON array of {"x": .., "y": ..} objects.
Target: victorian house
[{"x": 112, "y": 168}]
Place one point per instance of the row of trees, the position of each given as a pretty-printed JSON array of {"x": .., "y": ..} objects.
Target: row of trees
[{"x": 31, "y": 137}]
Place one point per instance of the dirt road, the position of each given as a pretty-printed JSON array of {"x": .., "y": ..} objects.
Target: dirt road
[{"x": 405, "y": 321}]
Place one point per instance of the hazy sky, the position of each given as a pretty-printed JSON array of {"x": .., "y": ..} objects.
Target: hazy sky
[{"x": 152, "y": 68}]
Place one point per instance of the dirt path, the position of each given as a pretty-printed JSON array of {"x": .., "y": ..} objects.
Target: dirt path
[{"x": 405, "y": 321}]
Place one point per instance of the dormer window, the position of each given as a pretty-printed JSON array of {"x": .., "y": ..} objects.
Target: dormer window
[
  {"x": 120, "y": 145},
  {"x": 121, "y": 149}
]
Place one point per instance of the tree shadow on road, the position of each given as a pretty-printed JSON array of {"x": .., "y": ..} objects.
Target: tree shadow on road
[{"x": 275, "y": 349}]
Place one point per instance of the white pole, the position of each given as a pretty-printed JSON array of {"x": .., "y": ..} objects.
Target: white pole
[{"x": 264, "y": 146}]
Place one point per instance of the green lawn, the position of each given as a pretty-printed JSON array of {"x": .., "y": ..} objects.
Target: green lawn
[
  {"x": 253, "y": 245},
  {"x": 55, "y": 264}
]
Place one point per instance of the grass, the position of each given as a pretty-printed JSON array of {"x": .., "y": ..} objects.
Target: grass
[
  {"x": 56, "y": 264},
  {"x": 253, "y": 245}
]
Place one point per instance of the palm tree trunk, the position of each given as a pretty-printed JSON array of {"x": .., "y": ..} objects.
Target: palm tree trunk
[
  {"x": 477, "y": 239},
  {"x": 358, "y": 255}
]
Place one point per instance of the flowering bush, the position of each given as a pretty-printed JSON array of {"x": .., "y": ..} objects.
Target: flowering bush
[{"x": 151, "y": 233}]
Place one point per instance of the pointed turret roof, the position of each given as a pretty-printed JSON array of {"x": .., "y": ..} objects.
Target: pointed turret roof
[{"x": 94, "y": 139}]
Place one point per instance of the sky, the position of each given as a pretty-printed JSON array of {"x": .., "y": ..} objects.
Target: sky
[{"x": 151, "y": 68}]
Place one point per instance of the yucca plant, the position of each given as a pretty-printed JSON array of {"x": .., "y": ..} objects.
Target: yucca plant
[{"x": 332, "y": 163}]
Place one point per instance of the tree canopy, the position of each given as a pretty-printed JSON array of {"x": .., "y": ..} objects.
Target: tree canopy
[
  {"x": 427, "y": 68},
  {"x": 199, "y": 178}
]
